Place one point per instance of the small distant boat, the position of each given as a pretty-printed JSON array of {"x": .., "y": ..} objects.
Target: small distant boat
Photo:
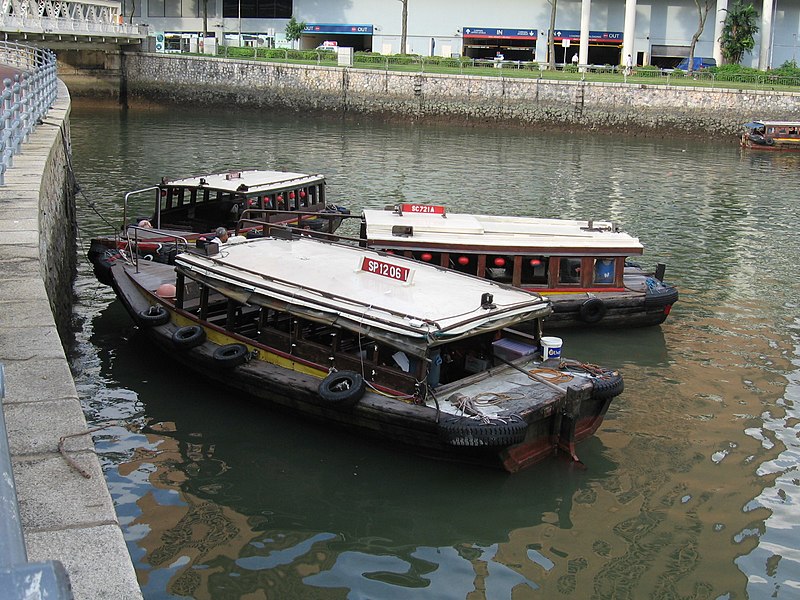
[
  {"x": 771, "y": 135},
  {"x": 188, "y": 211},
  {"x": 426, "y": 358},
  {"x": 582, "y": 266}
]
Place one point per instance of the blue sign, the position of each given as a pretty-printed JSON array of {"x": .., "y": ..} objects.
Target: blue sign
[
  {"x": 333, "y": 28},
  {"x": 594, "y": 36},
  {"x": 492, "y": 32}
]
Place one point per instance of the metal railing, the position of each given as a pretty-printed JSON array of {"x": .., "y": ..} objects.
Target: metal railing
[
  {"x": 18, "y": 577},
  {"x": 73, "y": 17},
  {"x": 26, "y": 97}
]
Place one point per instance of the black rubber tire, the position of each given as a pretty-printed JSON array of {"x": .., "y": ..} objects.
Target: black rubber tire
[
  {"x": 464, "y": 431},
  {"x": 342, "y": 388},
  {"x": 231, "y": 355},
  {"x": 608, "y": 385},
  {"x": 593, "y": 310},
  {"x": 188, "y": 337},
  {"x": 154, "y": 316}
]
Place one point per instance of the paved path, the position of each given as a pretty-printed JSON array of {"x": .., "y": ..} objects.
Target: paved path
[{"x": 65, "y": 516}]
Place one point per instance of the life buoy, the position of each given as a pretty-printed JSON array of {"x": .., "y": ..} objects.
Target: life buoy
[
  {"x": 592, "y": 310},
  {"x": 465, "y": 431},
  {"x": 154, "y": 316},
  {"x": 231, "y": 355},
  {"x": 342, "y": 388},
  {"x": 188, "y": 337}
]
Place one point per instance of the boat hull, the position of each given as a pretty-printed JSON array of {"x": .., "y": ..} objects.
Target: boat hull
[{"x": 554, "y": 425}]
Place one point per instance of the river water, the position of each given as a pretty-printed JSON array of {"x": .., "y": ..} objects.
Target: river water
[{"x": 690, "y": 489}]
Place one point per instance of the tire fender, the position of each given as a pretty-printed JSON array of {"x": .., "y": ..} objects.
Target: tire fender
[
  {"x": 154, "y": 316},
  {"x": 342, "y": 388},
  {"x": 188, "y": 337},
  {"x": 231, "y": 355},
  {"x": 592, "y": 311}
]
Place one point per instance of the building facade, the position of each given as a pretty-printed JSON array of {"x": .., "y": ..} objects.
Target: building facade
[{"x": 656, "y": 32}]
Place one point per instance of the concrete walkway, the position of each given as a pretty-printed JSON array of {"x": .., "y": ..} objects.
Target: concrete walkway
[{"x": 65, "y": 516}]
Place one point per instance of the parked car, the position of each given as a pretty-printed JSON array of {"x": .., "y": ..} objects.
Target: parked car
[{"x": 697, "y": 63}]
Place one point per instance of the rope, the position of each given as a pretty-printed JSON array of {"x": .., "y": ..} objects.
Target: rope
[{"x": 552, "y": 375}]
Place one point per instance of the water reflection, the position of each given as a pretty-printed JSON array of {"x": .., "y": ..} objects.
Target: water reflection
[{"x": 689, "y": 489}]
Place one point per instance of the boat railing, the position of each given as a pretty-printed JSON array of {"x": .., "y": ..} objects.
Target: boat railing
[
  {"x": 285, "y": 230},
  {"x": 262, "y": 215},
  {"x": 16, "y": 573},
  {"x": 165, "y": 238},
  {"x": 126, "y": 205}
]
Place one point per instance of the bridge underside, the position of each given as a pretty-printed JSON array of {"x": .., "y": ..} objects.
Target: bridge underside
[{"x": 61, "y": 41}]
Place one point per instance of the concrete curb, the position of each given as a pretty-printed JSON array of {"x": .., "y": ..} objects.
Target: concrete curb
[{"x": 65, "y": 516}]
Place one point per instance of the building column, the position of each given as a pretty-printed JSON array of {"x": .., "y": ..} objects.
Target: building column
[
  {"x": 583, "y": 54},
  {"x": 629, "y": 31},
  {"x": 720, "y": 15},
  {"x": 766, "y": 35}
]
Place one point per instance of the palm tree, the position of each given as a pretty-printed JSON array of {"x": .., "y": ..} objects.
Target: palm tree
[{"x": 738, "y": 32}]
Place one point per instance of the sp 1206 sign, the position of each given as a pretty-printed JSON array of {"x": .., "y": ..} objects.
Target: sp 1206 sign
[{"x": 385, "y": 269}]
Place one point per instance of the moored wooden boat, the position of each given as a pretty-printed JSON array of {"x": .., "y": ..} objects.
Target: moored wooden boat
[
  {"x": 581, "y": 266},
  {"x": 425, "y": 358},
  {"x": 771, "y": 135},
  {"x": 187, "y": 211}
]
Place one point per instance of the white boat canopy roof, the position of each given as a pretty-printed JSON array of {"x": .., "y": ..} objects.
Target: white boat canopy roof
[
  {"x": 482, "y": 233},
  {"x": 250, "y": 182},
  {"x": 411, "y": 305},
  {"x": 757, "y": 123}
]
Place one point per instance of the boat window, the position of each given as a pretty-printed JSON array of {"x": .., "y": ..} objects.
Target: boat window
[
  {"x": 434, "y": 258},
  {"x": 318, "y": 333},
  {"x": 499, "y": 267},
  {"x": 604, "y": 271},
  {"x": 279, "y": 321},
  {"x": 302, "y": 194},
  {"x": 569, "y": 270},
  {"x": 535, "y": 270},
  {"x": 464, "y": 263}
]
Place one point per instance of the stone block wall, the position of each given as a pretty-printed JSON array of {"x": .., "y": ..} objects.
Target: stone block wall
[{"x": 653, "y": 109}]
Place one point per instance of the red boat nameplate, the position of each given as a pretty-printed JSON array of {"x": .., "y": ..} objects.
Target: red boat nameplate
[
  {"x": 385, "y": 269},
  {"x": 428, "y": 209}
]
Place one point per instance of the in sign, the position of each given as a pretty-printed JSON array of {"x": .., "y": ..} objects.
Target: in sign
[
  {"x": 427, "y": 209},
  {"x": 385, "y": 269}
]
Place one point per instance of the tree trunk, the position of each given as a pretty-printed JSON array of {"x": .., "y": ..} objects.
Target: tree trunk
[
  {"x": 404, "y": 31},
  {"x": 703, "y": 7},
  {"x": 551, "y": 45}
]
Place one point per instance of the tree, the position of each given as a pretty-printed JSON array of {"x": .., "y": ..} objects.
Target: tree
[
  {"x": 738, "y": 32},
  {"x": 294, "y": 29},
  {"x": 404, "y": 27},
  {"x": 703, "y": 8},
  {"x": 551, "y": 45}
]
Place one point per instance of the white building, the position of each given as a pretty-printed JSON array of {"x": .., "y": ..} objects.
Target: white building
[{"x": 602, "y": 31}]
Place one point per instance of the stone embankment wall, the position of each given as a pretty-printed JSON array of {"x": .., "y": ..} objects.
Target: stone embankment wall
[
  {"x": 646, "y": 109},
  {"x": 65, "y": 507}
]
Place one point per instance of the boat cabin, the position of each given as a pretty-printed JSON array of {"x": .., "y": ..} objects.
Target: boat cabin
[
  {"x": 544, "y": 255},
  {"x": 335, "y": 306},
  {"x": 200, "y": 204}
]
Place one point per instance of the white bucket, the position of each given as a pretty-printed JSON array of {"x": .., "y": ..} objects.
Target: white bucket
[{"x": 551, "y": 348}]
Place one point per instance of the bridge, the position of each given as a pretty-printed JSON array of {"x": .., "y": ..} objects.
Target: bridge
[{"x": 67, "y": 23}]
